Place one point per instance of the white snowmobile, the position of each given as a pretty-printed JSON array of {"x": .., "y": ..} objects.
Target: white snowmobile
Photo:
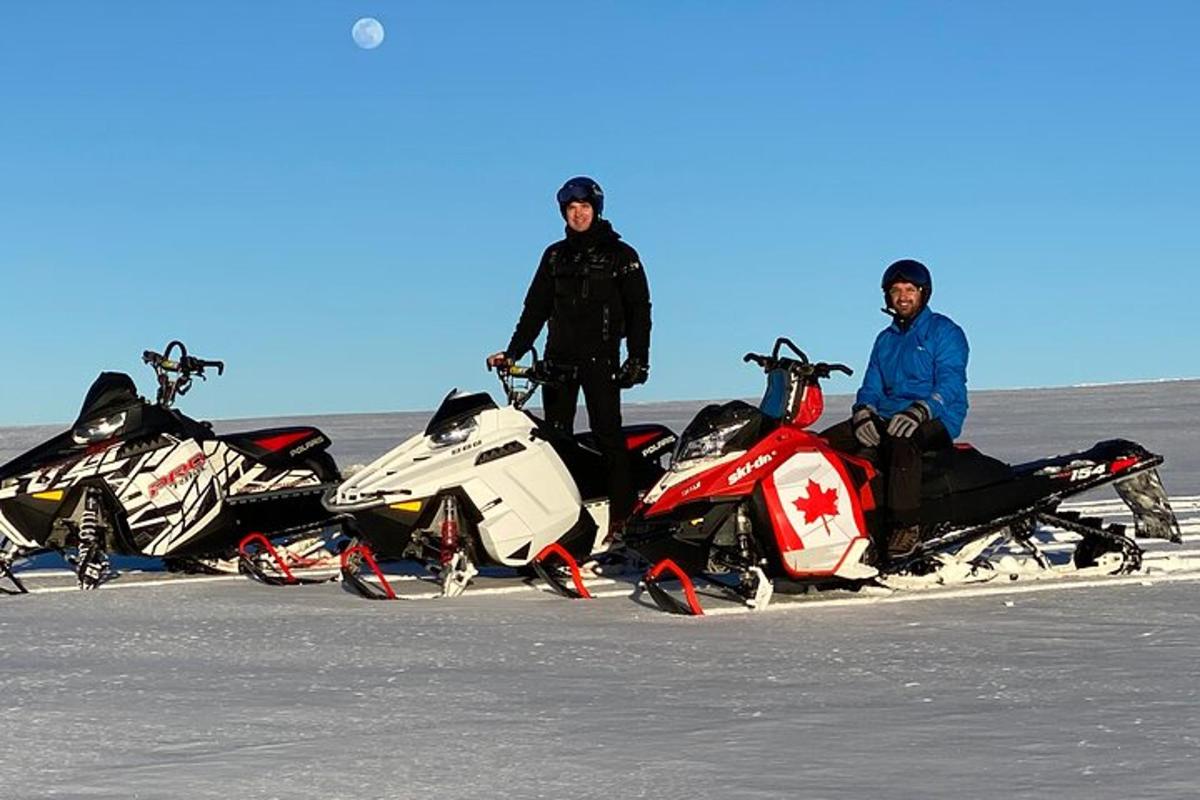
[{"x": 486, "y": 485}]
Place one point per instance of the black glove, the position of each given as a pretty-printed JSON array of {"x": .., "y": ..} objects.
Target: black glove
[
  {"x": 633, "y": 372},
  {"x": 905, "y": 424},
  {"x": 865, "y": 429}
]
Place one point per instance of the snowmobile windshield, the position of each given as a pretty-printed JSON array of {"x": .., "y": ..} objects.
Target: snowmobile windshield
[
  {"x": 455, "y": 418},
  {"x": 111, "y": 392},
  {"x": 717, "y": 430},
  {"x": 106, "y": 408}
]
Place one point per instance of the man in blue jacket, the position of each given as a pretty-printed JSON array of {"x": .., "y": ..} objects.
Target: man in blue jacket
[{"x": 913, "y": 397}]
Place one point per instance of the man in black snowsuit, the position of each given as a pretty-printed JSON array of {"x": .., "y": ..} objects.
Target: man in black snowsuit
[{"x": 591, "y": 289}]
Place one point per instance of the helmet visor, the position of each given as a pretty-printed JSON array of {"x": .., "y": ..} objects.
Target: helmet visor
[{"x": 578, "y": 192}]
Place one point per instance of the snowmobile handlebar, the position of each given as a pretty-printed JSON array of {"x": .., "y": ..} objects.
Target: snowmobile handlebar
[
  {"x": 799, "y": 365},
  {"x": 183, "y": 364},
  {"x": 538, "y": 373},
  {"x": 184, "y": 368}
]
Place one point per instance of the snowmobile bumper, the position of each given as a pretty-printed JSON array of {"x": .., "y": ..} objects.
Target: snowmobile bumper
[
  {"x": 684, "y": 542},
  {"x": 389, "y": 528}
]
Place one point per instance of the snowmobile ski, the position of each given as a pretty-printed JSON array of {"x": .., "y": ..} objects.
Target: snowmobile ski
[{"x": 544, "y": 565}]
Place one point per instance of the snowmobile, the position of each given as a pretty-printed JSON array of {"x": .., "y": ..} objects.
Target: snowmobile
[
  {"x": 486, "y": 485},
  {"x": 753, "y": 500},
  {"x": 136, "y": 478}
]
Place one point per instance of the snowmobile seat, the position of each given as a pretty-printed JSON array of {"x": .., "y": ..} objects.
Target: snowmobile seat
[
  {"x": 580, "y": 453},
  {"x": 960, "y": 468}
]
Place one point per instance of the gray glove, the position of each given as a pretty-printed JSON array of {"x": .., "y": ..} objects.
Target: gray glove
[
  {"x": 865, "y": 429},
  {"x": 905, "y": 424}
]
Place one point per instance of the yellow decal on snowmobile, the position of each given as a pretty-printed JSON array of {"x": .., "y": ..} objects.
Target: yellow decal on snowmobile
[
  {"x": 411, "y": 505},
  {"x": 54, "y": 494}
]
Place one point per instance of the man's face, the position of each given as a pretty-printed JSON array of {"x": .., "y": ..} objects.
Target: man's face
[
  {"x": 579, "y": 215},
  {"x": 905, "y": 299}
]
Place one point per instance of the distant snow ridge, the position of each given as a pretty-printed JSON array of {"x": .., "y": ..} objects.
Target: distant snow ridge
[{"x": 1131, "y": 382}]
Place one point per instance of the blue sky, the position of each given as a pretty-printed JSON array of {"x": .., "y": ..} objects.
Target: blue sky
[{"x": 354, "y": 230}]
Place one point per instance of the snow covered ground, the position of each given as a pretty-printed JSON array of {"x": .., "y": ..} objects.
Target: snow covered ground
[{"x": 226, "y": 688}]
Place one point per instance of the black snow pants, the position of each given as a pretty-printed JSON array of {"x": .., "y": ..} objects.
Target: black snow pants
[
  {"x": 899, "y": 459},
  {"x": 602, "y": 396}
]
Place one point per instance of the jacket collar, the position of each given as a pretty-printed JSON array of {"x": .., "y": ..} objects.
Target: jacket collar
[{"x": 919, "y": 322}]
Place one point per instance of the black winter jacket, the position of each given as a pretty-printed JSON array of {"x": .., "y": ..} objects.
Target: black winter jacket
[{"x": 592, "y": 290}]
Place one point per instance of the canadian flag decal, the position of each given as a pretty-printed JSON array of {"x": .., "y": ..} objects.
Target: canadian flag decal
[{"x": 819, "y": 503}]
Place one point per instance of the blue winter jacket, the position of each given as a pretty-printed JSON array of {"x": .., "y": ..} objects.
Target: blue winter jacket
[{"x": 923, "y": 361}]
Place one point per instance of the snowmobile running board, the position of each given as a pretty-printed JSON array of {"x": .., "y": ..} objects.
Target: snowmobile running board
[
  {"x": 553, "y": 577},
  {"x": 279, "y": 494},
  {"x": 351, "y": 577},
  {"x": 664, "y": 599}
]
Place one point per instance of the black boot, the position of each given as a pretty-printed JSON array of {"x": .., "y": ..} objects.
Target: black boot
[{"x": 903, "y": 542}]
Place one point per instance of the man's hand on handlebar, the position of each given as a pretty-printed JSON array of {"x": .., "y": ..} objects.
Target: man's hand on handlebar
[{"x": 499, "y": 361}]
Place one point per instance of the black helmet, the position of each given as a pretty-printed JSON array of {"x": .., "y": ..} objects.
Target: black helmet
[
  {"x": 581, "y": 189},
  {"x": 907, "y": 270}
]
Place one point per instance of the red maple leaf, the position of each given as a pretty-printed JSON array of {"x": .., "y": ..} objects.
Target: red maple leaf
[{"x": 819, "y": 503}]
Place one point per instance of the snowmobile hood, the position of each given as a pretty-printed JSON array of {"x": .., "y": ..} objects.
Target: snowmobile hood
[{"x": 424, "y": 464}]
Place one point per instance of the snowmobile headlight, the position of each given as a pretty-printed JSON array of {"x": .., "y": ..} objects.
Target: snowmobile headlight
[
  {"x": 711, "y": 444},
  {"x": 99, "y": 429},
  {"x": 454, "y": 434}
]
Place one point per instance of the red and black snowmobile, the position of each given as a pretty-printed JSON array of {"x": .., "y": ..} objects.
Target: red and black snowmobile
[{"x": 753, "y": 499}]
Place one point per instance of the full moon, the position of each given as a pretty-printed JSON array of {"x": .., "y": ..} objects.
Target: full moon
[{"x": 367, "y": 33}]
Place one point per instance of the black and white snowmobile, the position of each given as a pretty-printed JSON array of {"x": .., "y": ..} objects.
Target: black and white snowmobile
[
  {"x": 488, "y": 485},
  {"x": 754, "y": 500},
  {"x": 142, "y": 479}
]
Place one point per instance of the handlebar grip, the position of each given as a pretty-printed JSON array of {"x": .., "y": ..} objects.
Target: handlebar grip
[
  {"x": 756, "y": 358},
  {"x": 824, "y": 370}
]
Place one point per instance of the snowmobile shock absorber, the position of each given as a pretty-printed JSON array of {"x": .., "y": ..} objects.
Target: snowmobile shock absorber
[
  {"x": 450, "y": 539},
  {"x": 744, "y": 542},
  {"x": 91, "y": 565}
]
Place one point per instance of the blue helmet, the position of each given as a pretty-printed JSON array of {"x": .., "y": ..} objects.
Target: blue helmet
[
  {"x": 581, "y": 189},
  {"x": 907, "y": 270}
]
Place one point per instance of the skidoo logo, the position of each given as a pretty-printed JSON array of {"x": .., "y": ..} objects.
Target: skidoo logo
[
  {"x": 181, "y": 474},
  {"x": 659, "y": 445},
  {"x": 750, "y": 466},
  {"x": 309, "y": 445}
]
